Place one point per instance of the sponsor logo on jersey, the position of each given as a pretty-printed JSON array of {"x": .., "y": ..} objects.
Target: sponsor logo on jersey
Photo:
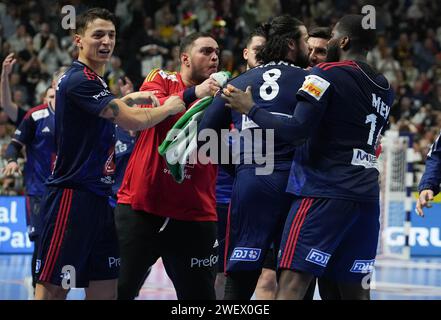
[
  {"x": 363, "y": 266},
  {"x": 245, "y": 254},
  {"x": 46, "y": 129},
  {"x": 315, "y": 86},
  {"x": 109, "y": 167},
  {"x": 40, "y": 114},
  {"x": 103, "y": 93},
  {"x": 17, "y": 132},
  {"x": 107, "y": 180},
  {"x": 362, "y": 158},
  {"x": 169, "y": 76},
  {"x": 318, "y": 257}
]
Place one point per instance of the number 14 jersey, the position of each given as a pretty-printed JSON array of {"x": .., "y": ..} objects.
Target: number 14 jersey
[{"x": 339, "y": 160}]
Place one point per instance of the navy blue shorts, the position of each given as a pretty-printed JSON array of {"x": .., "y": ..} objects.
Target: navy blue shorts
[
  {"x": 33, "y": 216},
  {"x": 331, "y": 237},
  {"x": 78, "y": 236},
  {"x": 259, "y": 206}
]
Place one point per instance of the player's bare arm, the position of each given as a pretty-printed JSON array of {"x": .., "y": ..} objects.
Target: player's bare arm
[
  {"x": 119, "y": 111},
  {"x": 6, "y": 102}
]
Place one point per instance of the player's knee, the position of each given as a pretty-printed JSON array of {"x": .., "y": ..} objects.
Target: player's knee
[
  {"x": 47, "y": 291},
  {"x": 267, "y": 280},
  {"x": 354, "y": 292},
  {"x": 293, "y": 284}
]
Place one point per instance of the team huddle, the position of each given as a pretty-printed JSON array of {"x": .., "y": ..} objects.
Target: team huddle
[{"x": 225, "y": 232}]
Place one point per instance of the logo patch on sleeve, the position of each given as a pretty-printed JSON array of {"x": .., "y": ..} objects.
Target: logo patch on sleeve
[{"x": 315, "y": 86}]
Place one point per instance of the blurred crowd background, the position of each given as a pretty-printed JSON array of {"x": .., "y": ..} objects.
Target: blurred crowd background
[{"x": 408, "y": 51}]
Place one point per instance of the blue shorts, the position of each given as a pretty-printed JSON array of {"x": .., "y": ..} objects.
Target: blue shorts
[
  {"x": 333, "y": 238},
  {"x": 33, "y": 216},
  {"x": 259, "y": 206},
  {"x": 78, "y": 236}
]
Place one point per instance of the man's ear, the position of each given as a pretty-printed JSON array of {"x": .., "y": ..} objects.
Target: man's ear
[
  {"x": 185, "y": 59},
  {"x": 345, "y": 43},
  {"x": 77, "y": 40},
  {"x": 245, "y": 54},
  {"x": 292, "y": 45}
]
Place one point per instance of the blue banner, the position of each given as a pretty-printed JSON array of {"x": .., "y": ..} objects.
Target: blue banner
[
  {"x": 425, "y": 233},
  {"x": 13, "y": 235}
]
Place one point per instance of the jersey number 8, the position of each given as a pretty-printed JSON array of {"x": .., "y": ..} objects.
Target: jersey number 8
[{"x": 270, "y": 88}]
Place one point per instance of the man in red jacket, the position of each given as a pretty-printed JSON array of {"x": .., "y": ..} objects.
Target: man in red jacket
[{"x": 157, "y": 217}]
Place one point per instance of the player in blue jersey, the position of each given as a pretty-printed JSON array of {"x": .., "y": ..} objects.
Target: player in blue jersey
[
  {"x": 224, "y": 183},
  {"x": 78, "y": 245},
  {"x": 36, "y": 133},
  {"x": 333, "y": 225},
  {"x": 259, "y": 204},
  {"x": 428, "y": 187}
]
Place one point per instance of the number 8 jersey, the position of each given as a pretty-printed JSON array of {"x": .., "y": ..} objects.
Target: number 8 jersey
[
  {"x": 338, "y": 161},
  {"x": 274, "y": 86}
]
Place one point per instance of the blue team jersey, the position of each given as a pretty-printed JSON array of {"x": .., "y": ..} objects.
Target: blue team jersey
[
  {"x": 36, "y": 132},
  {"x": 85, "y": 141},
  {"x": 224, "y": 186},
  {"x": 123, "y": 149},
  {"x": 339, "y": 160},
  {"x": 273, "y": 88}
]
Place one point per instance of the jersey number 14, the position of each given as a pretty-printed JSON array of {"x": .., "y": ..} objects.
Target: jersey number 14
[{"x": 372, "y": 119}]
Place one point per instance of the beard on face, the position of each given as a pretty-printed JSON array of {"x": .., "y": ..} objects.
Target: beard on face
[
  {"x": 333, "y": 52},
  {"x": 302, "y": 60}
]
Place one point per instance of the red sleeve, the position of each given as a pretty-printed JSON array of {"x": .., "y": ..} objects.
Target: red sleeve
[{"x": 160, "y": 86}]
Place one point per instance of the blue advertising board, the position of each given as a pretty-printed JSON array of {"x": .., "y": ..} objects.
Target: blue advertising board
[
  {"x": 13, "y": 235},
  {"x": 425, "y": 233}
]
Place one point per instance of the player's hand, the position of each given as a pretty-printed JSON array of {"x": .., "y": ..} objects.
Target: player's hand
[
  {"x": 142, "y": 97},
  {"x": 125, "y": 88},
  {"x": 207, "y": 88},
  {"x": 424, "y": 201},
  {"x": 8, "y": 64},
  {"x": 174, "y": 105},
  {"x": 11, "y": 168},
  {"x": 238, "y": 100}
]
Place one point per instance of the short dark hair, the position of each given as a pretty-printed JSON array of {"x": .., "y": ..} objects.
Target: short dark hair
[
  {"x": 278, "y": 33},
  {"x": 190, "y": 39},
  {"x": 90, "y": 15},
  {"x": 320, "y": 32},
  {"x": 259, "y": 31},
  {"x": 361, "y": 39}
]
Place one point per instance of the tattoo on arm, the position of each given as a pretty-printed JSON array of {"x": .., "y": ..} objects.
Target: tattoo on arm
[
  {"x": 129, "y": 102},
  {"x": 111, "y": 109}
]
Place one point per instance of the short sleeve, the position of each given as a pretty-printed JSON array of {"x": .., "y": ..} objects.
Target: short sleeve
[
  {"x": 91, "y": 96},
  {"x": 316, "y": 88},
  {"x": 25, "y": 132}
]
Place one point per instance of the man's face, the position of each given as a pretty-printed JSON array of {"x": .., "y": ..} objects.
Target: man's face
[
  {"x": 334, "y": 50},
  {"x": 249, "y": 53},
  {"x": 98, "y": 41},
  {"x": 317, "y": 50},
  {"x": 203, "y": 58},
  {"x": 50, "y": 97},
  {"x": 302, "y": 59}
]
